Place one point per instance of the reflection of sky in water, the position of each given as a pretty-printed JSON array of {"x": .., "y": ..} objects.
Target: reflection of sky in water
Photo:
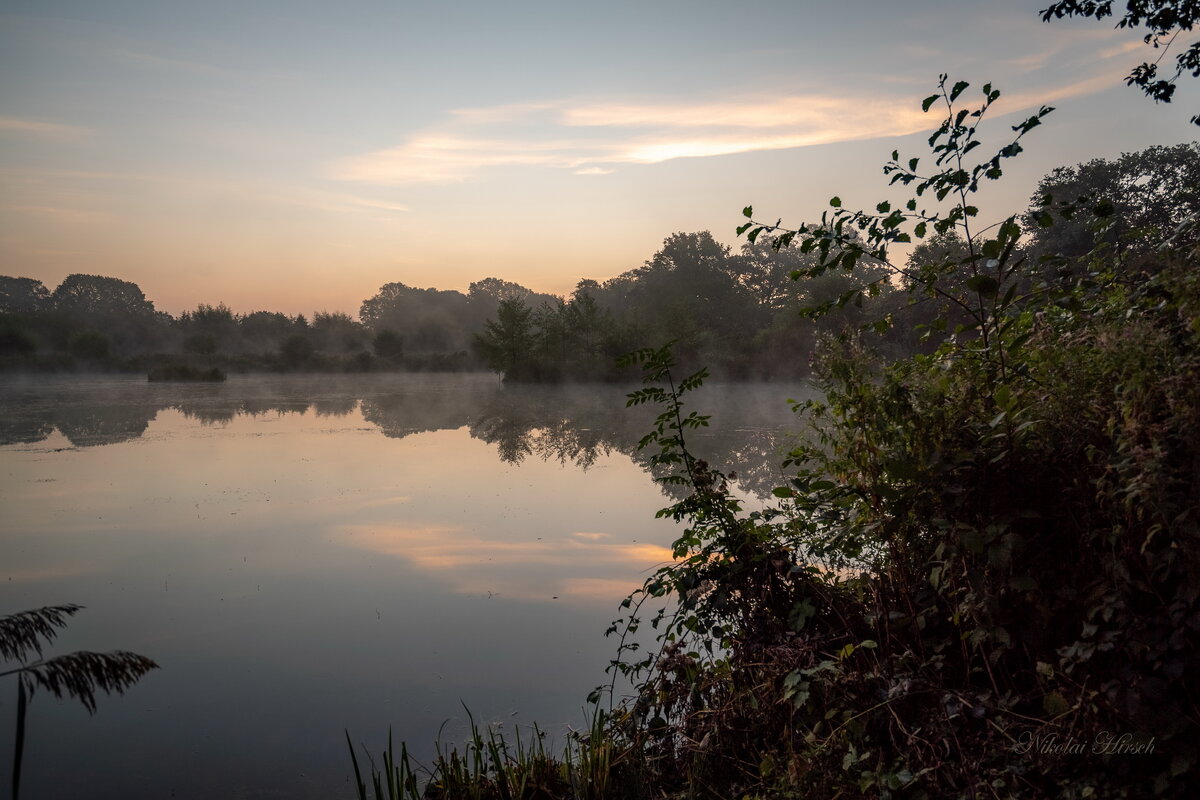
[{"x": 295, "y": 572}]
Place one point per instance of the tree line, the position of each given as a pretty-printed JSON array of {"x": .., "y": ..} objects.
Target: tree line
[
  {"x": 761, "y": 312},
  {"x": 739, "y": 312}
]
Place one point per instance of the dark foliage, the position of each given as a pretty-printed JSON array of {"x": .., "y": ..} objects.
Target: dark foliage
[{"x": 1163, "y": 20}]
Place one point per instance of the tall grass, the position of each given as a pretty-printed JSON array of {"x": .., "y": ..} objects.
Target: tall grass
[{"x": 493, "y": 767}]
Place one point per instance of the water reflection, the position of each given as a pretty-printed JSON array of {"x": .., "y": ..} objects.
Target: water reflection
[
  {"x": 478, "y": 562},
  {"x": 565, "y": 425},
  {"x": 298, "y": 573}
]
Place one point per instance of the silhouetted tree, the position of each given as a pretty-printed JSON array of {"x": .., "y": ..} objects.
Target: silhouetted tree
[
  {"x": 22, "y": 295},
  {"x": 507, "y": 343},
  {"x": 388, "y": 345},
  {"x": 1156, "y": 189},
  {"x": 116, "y": 308}
]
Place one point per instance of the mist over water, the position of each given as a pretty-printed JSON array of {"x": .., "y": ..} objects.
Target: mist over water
[{"x": 303, "y": 555}]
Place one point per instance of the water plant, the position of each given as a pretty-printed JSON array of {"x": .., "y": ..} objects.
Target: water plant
[
  {"x": 79, "y": 675},
  {"x": 491, "y": 766}
]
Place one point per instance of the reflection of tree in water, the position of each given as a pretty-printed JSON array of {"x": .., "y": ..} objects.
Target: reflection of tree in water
[
  {"x": 571, "y": 425},
  {"x": 405, "y": 413},
  {"x": 208, "y": 415},
  {"x": 335, "y": 406},
  {"x": 747, "y": 436},
  {"x": 87, "y": 426},
  {"x": 568, "y": 425},
  {"x": 25, "y": 430}
]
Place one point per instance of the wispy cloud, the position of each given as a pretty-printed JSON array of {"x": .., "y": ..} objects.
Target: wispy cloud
[
  {"x": 593, "y": 138},
  {"x": 40, "y": 128},
  {"x": 144, "y": 58}
]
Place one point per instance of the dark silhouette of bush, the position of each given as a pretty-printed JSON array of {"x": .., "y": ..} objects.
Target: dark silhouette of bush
[
  {"x": 89, "y": 345},
  {"x": 388, "y": 345}
]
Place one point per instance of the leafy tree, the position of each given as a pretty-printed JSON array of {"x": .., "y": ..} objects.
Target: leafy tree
[
  {"x": 337, "y": 332},
  {"x": 507, "y": 343},
  {"x": 208, "y": 329},
  {"x": 1164, "y": 20},
  {"x": 96, "y": 296},
  {"x": 90, "y": 345},
  {"x": 1116, "y": 201},
  {"x": 22, "y": 295},
  {"x": 14, "y": 338},
  {"x": 388, "y": 345},
  {"x": 430, "y": 320},
  {"x": 114, "y": 307},
  {"x": 297, "y": 350},
  {"x": 497, "y": 291},
  {"x": 264, "y": 331}
]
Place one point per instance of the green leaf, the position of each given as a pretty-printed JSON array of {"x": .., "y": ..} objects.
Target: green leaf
[
  {"x": 958, "y": 89},
  {"x": 928, "y": 101},
  {"x": 748, "y": 211},
  {"x": 836, "y": 202},
  {"x": 1003, "y": 397},
  {"x": 984, "y": 285}
]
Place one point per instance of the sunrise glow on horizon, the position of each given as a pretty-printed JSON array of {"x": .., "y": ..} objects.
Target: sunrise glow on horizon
[{"x": 297, "y": 156}]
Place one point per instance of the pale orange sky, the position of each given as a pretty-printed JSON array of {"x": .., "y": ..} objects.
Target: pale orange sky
[{"x": 296, "y": 156}]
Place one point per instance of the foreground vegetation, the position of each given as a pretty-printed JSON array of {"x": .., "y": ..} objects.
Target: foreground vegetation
[{"x": 984, "y": 578}]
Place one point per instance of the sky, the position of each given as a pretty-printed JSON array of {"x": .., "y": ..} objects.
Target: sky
[{"x": 291, "y": 155}]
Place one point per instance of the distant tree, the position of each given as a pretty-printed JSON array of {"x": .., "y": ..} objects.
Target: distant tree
[
  {"x": 337, "y": 332},
  {"x": 114, "y": 307},
  {"x": 204, "y": 344},
  {"x": 15, "y": 340},
  {"x": 208, "y": 329},
  {"x": 690, "y": 291},
  {"x": 430, "y": 320},
  {"x": 264, "y": 331},
  {"x": 99, "y": 296},
  {"x": 499, "y": 290},
  {"x": 90, "y": 345},
  {"x": 22, "y": 295},
  {"x": 297, "y": 350},
  {"x": 507, "y": 343},
  {"x": 767, "y": 273},
  {"x": 388, "y": 345},
  {"x": 1154, "y": 189},
  {"x": 1164, "y": 20},
  {"x": 587, "y": 322}
]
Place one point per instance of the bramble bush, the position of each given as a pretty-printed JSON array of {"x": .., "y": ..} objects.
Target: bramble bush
[{"x": 983, "y": 579}]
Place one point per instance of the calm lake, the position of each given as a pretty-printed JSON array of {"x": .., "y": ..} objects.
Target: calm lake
[{"x": 303, "y": 555}]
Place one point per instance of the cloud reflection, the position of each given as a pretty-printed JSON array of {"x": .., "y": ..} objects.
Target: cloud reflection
[{"x": 583, "y": 565}]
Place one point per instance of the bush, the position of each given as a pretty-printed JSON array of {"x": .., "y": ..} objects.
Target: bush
[
  {"x": 89, "y": 345},
  {"x": 984, "y": 579}
]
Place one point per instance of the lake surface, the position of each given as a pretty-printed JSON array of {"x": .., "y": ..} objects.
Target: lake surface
[{"x": 304, "y": 555}]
